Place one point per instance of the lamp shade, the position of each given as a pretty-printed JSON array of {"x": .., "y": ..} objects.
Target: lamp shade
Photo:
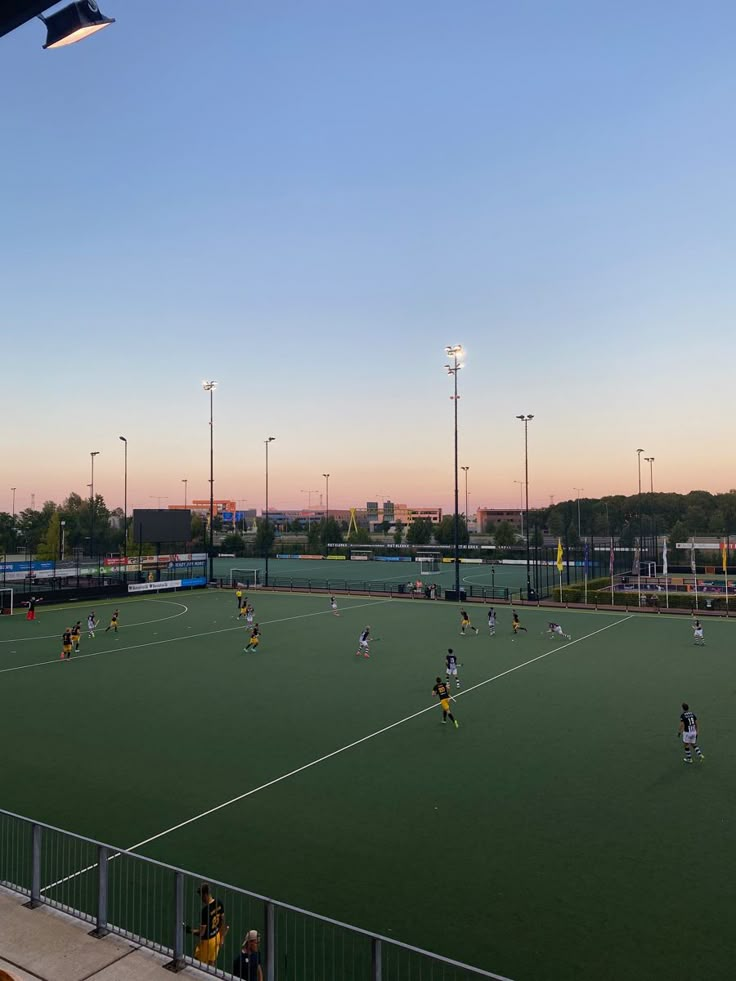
[{"x": 73, "y": 23}]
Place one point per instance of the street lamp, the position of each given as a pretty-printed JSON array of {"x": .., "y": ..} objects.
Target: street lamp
[
  {"x": 526, "y": 419},
  {"x": 93, "y": 454},
  {"x": 14, "y": 489},
  {"x": 578, "y": 491},
  {"x": 63, "y": 529},
  {"x": 521, "y": 504},
  {"x": 455, "y": 352},
  {"x": 185, "y": 482},
  {"x": 210, "y": 386},
  {"x": 650, "y": 461},
  {"x": 327, "y": 499},
  {"x": 465, "y": 471},
  {"x": 267, "y": 544},
  {"x": 125, "y": 504}
]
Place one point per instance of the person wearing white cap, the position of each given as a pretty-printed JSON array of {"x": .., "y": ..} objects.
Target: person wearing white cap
[{"x": 247, "y": 965}]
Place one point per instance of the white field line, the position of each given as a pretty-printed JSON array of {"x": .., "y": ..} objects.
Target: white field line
[
  {"x": 142, "y": 623},
  {"x": 173, "y": 640},
  {"x": 342, "y": 749}
]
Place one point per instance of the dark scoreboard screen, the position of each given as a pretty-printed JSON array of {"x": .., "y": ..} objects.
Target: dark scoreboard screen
[{"x": 158, "y": 527}]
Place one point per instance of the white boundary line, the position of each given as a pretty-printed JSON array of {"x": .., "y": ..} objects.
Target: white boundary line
[
  {"x": 172, "y": 640},
  {"x": 335, "y": 752},
  {"x": 142, "y": 623}
]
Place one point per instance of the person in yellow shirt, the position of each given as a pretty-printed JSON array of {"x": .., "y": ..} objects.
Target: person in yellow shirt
[{"x": 212, "y": 928}]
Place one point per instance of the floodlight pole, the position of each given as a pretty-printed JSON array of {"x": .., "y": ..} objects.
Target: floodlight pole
[
  {"x": 185, "y": 481},
  {"x": 327, "y": 505},
  {"x": 92, "y": 455},
  {"x": 638, "y": 564},
  {"x": 521, "y": 504},
  {"x": 13, "y": 489},
  {"x": 650, "y": 461},
  {"x": 210, "y": 386},
  {"x": 125, "y": 507},
  {"x": 578, "y": 491},
  {"x": 465, "y": 471},
  {"x": 454, "y": 351},
  {"x": 268, "y": 440},
  {"x": 526, "y": 419}
]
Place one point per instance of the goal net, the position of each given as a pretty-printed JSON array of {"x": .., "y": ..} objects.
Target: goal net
[
  {"x": 428, "y": 564},
  {"x": 6, "y": 600},
  {"x": 246, "y": 578}
]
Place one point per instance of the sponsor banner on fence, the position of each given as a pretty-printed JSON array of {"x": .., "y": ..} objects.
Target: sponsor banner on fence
[
  {"x": 311, "y": 556},
  {"x": 337, "y": 557},
  {"x": 151, "y": 587},
  {"x": 392, "y": 558},
  {"x": 358, "y": 558},
  {"x": 191, "y": 583},
  {"x": 185, "y": 557}
]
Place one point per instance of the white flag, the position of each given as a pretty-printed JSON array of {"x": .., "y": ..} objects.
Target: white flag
[{"x": 664, "y": 558}]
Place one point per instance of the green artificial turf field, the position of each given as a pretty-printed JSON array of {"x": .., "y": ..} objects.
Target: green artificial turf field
[{"x": 556, "y": 835}]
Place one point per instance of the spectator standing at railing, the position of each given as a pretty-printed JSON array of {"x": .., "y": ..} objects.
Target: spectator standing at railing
[
  {"x": 247, "y": 965},
  {"x": 212, "y": 927}
]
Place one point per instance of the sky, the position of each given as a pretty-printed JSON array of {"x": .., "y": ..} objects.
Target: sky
[{"x": 308, "y": 201}]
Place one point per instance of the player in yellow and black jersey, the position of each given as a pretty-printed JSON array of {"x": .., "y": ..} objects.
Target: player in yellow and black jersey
[
  {"x": 442, "y": 691},
  {"x": 113, "y": 625},
  {"x": 66, "y": 644},
  {"x": 255, "y": 638},
  {"x": 77, "y": 635},
  {"x": 212, "y": 927}
]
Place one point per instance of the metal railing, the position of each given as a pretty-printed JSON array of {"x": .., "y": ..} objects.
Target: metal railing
[{"x": 158, "y": 906}]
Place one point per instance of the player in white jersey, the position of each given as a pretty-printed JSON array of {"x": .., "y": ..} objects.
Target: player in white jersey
[
  {"x": 689, "y": 731},
  {"x": 364, "y": 642},
  {"x": 91, "y": 624},
  {"x": 451, "y": 667},
  {"x": 556, "y": 630},
  {"x": 492, "y": 622},
  {"x": 249, "y": 615},
  {"x": 333, "y": 606},
  {"x": 698, "y": 638}
]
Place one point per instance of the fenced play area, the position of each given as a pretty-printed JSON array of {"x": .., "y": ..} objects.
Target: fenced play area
[{"x": 553, "y": 835}]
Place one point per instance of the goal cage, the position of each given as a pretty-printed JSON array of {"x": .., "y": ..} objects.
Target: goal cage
[
  {"x": 428, "y": 564},
  {"x": 245, "y": 578},
  {"x": 6, "y": 601}
]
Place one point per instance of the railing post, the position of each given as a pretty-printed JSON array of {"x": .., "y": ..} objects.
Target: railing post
[
  {"x": 102, "y": 880},
  {"x": 376, "y": 972},
  {"x": 270, "y": 942},
  {"x": 177, "y": 964},
  {"x": 35, "y": 899}
]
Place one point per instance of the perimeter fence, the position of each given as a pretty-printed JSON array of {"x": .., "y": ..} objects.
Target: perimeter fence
[{"x": 160, "y": 907}]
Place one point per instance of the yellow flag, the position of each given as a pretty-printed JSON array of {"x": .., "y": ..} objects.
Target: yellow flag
[
  {"x": 559, "y": 555},
  {"x": 724, "y": 556}
]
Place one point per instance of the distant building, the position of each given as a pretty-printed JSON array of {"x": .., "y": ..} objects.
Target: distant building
[
  {"x": 376, "y": 514},
  {"x": 496, "y": 516}
]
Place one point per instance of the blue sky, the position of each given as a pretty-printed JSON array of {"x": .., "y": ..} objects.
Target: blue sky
[{"x": 307, "y": 202}]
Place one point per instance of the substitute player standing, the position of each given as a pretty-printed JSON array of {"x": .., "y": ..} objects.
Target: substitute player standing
[
  {"x": 451, "y": 667},
  {"x": 442, "y": 691},
  {"x": 698, "y": 638},
  {"x": 689, "y": 730},
  {"x": 364, "y": 642}
]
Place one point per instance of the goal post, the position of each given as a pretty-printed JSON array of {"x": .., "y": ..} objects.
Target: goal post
[
  {"x": 245, "y": 578},
  {"x": 428, "y": 564},
  {"x": 6, "y": 601}
]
